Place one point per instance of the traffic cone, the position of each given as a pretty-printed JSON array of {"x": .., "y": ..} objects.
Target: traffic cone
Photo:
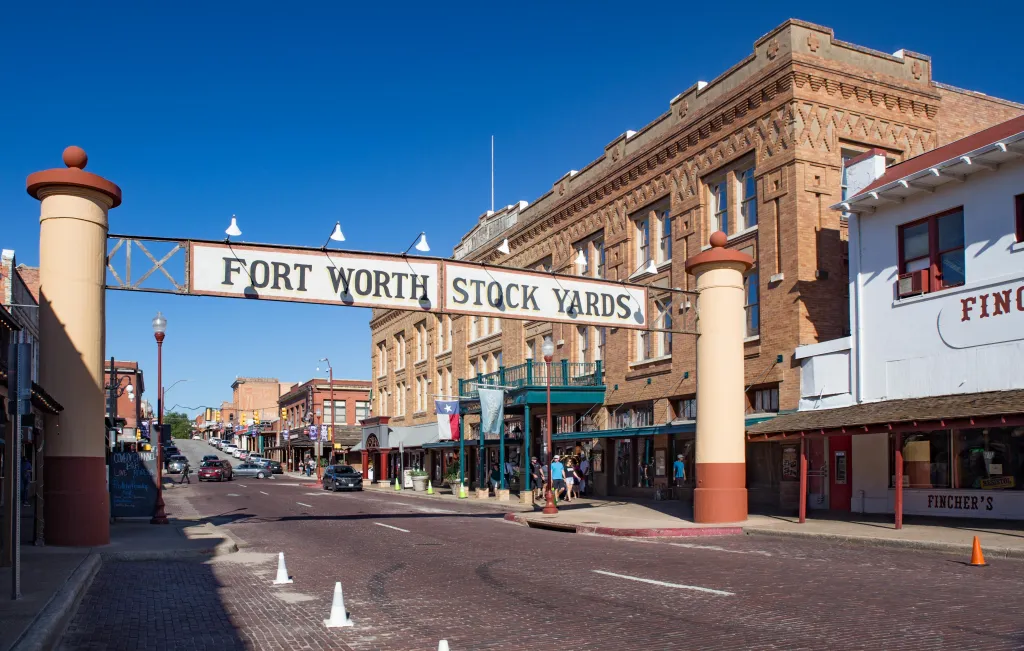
[
  {"x": 430, "y": 488},
  {"x": 397, "y": 487},
  {"x": 977, "y": 558},
  {"x": 339, "y": 617},
  {"x": 462, "y": 492},
  {"x": 282, "y": 571},
  {"x": 442, "y": 645}
]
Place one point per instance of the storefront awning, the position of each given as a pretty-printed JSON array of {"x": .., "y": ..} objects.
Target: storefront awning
[
  {"x": 677, "y": 427},
  {"x": 991, "y": 408}
]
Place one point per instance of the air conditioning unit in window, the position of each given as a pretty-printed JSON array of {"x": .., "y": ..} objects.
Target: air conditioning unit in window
[{"x": 912, "y": 284}]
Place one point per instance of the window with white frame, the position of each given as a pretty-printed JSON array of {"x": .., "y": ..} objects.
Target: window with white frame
[
  {"x": 421, "y": 393},
  {"x": 748, "y": 197},
  {"x": 399, "y": 351},
  {"x": 644, "y": 345},
  {"x": 382, "y": 402},
  {"x": 474, "y": 365},
  {"x": 382, "y": 358},
  {"x": 602, "y": 333},
  {"x": 582, "y": 343},
  {"x": 686, "y": 408},
  {"x": 400, "y": 398},
  {"x": 499, "y": 360},
  {"x": 720, "y": 206},
  {"x": 665, "y": 245},
  {"x": 544, "y": 264},
  {"x": 529, "y": 347},
  {"x": 362, "y": 410},
  {"x": 643, "y": 240},
  {"x": 751, "y": 303},
  {"x": 664, "y": 308},
  {"x": 599, "y": 258},
  {"x": 421, "y": 341},
  {"x": 449, "y": 382},
  {"x": 640, "y": 415},
  {"x": 337, "y": 415}
]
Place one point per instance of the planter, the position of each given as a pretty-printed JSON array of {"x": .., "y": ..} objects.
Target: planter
[{"x": 419, "y": 482}]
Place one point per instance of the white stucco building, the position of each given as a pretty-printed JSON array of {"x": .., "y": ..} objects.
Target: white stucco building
[{"x": 933, "y": 372}]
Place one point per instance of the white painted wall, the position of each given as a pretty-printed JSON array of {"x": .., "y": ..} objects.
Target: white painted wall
[
  {"x": 918, "y": 346},
  {"x": 825, "y": 374}
]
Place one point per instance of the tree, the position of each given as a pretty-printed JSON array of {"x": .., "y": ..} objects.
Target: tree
[{"x": 181, "y": 424}]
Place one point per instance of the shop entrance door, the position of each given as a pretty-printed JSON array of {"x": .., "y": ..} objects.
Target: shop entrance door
[
  {"x": 840, "y": 472},
  {"x": 817, "y": 474}
]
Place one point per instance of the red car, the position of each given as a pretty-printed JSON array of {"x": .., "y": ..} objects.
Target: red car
[{"x": 215, "y": 471}]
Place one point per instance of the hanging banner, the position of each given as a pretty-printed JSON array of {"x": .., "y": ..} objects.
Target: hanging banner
[
  {"x": 537, "y": 296},
  {"x": 492, "y": 410},
  {"x": 310, "y": 276}
]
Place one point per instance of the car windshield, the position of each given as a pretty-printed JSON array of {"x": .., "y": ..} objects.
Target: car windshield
[
  {"x": 344, "y": 470},
  {"x": 211, "y": 464},
  {"x": 178, "y": 457}
]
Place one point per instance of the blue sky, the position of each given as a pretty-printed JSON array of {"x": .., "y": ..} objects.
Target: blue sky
[{"x": 295, "y": 115}]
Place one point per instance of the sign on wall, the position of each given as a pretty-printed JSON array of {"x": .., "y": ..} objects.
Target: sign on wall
[
  {"x": 535, "y": 296},
  {"x": 277, "y": 274},
  {"x": 983, "y": 316}
]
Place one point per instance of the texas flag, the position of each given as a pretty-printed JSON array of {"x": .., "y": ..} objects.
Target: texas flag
[{"x": 447, "y": 419}]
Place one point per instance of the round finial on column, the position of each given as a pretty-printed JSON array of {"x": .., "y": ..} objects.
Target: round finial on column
[
  {"x": 76, "y": 157},
  {"x": 718, "y": 239}
]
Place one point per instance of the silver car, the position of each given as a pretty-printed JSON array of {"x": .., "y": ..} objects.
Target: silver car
[
  {"x": 176, "y": 464},
  {"x": 252, "y": 470}
]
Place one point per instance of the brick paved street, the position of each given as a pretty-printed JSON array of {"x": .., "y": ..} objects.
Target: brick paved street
[{"x": 466, "y": 575}]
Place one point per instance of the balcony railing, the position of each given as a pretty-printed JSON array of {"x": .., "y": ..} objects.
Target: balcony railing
[{"x": 564, "y": 374}]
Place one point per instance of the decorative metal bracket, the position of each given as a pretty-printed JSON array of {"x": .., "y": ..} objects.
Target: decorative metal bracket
[{"x": 123, "y": 280}]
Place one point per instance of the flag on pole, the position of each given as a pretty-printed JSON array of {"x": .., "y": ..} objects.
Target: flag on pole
[
  {"x": 447, "y": 419},
  {"x": 492, "y": 410}
]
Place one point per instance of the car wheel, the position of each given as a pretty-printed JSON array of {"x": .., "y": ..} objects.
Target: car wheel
[
  {"x": 325, "y": 486},
  {"x": 260, "y": 475}
]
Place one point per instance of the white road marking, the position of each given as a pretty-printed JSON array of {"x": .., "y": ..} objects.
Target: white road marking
[
  {"x": 716, "y": 548},
  {"x": 308, "y": 506},
  {"x": 265, "y": 492},
  {"x": 722, "y": 593},
  {"x": 233, "y": 495},
  {"x": 381, "y": 524},
  {"x": 243, "y": 486}
]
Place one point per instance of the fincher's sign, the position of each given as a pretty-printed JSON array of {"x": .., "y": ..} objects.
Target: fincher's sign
[{"x": 410, "y": 283}]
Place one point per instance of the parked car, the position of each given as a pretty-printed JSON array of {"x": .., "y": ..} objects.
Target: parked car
[
  {"x": 255, "y": 458},
  {"x": 243, "y": 454},
  {"x": 273, "y": 466},
  {"x": 170, "y": 451},
  {"x": 176, "y": 464},
  {"x": 251, "y": 470},
  {"x": 219, "y": 444},
  {"x": 338, "y": 478},
  {"x": 210, "y": 457},
  {"x": 196, "y": 437},
  {"x": 219, "y": 470},
  {"x": 229, "y": 449},
  {"x": 237, "y": 453}
]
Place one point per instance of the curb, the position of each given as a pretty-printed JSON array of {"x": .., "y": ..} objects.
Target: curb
[
  {"x": 228, "y": 546},
  {"x": 925, "y": 545},
  {"x": 47, "y": 629},
  {"x": 655, "y": 532}
]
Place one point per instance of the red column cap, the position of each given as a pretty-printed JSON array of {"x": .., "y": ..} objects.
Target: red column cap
[
  {"x": 718, "y": 253},
  {"x": 75, "y": 175}
]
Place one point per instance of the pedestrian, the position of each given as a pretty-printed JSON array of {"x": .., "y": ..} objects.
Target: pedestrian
[
  {"x": 495, "y": 478},
  {"x": 185, "y": 479},
  {"x": 557, "y": 476},
  {"x": 679, "y": 470},
  {"x": 26, "y": 477},
  {"x": 536, "y": 478},
  {"x": 584, "y": 473},
  {"x": 570, "y": 479}
]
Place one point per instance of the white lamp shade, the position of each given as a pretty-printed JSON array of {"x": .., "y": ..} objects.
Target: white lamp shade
[
  {"x": 337, "y": 235},
  {"x": 548, "y": 347},
  {"x": 130, "y": 389},
  {"x": 581, "y": 258},
  {"x": 233, "y": 230},
  {"x": 422, "y": 244},
  {"x": 159, "y": 323},
  {"x": 503, "y": 247},
  {"x": 651, "y": 268}
]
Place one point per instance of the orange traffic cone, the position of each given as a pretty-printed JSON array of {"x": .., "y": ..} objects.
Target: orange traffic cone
[{"x": 977, "y": 558}]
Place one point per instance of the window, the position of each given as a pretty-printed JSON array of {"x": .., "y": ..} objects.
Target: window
[
  {"x": 720, "y": 207},
  {"x": 645, "y": 341},
  {"x": 531, "y": 345},
  {"x": 447, "y": 333},
  {"x": 400, "y": 351},
  {"x": 935, "y": 243},
  {"x": 448, "y": 382},
  {"x": 421, "y": 393},
  {"x": 382, "y": 402},
  {"x": 421, "y": 341},
  {"x": 1018, "y": 203},
  {"x": 473, "y": 364},
  {"x": 926, "y": 457},
  {"x": 474, "y": 328},
  {"x": 748, "y": 205},
  {"x": 636, "y": 416},
  {"x": 495, "y": 324},
  {"x": 499, "y": 360},
  {"x": 750, "y": 303},
  {"x": 582, "y": 343},
  {"x": 362, "y": 410},
  {"x": 339, "y": 415},
  {"x": 989, "y": 458},
  {"x": 664, "y": 308},
  {"x": 643, "y": 253},
  {"x": 382, "y": 358},
  {"x": 599, "y": 253},
  {"x": 665, "y": 245},
  {"x": 400, "y": 399},
  {"x": 686, "y": 408},
  {"x": 543, "y": 264},
  {"x": 766, "y": 400},
  {"x": 601, "y": 334}
]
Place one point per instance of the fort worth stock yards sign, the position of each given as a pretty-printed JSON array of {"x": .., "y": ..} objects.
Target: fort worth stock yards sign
[{"x": 410, "y": 283}]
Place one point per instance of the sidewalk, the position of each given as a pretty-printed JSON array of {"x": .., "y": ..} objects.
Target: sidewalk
[{"x": 54, "y": 579}]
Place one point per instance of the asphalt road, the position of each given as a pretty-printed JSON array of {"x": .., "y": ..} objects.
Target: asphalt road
[{"x": 415, "y": 571}]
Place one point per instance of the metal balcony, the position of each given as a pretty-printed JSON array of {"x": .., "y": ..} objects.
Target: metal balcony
[{"x": 534, "y": 375}]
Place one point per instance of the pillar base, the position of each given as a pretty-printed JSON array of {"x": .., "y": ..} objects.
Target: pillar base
[
  {"x": 76, "y": 503},
  {"x": 483, "y": 493},
  {"x": 503, "y": 495},
  {"x": 721, "y": 493}
]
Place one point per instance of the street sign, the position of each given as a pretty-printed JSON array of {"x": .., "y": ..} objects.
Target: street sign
[
  {"x": 323, "y": 432},
  {"x": 312, "y": 432}
]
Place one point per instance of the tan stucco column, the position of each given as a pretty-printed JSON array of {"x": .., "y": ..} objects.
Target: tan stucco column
[
  {"x": 721, "y": 493},
  {"x": 72, "y": 327}
]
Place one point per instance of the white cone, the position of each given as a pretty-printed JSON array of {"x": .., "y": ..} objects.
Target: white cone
[
  {"x": 282, "y": 571},
  {"x": 442, "y": 645},
  {"x": 339, "y": 617}
]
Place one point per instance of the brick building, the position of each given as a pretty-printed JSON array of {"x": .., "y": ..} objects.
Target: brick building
[
  {"x": 309, "y": 404},
  {"x": 129, "y": 404},
  {"x": 758, "y": 153}
]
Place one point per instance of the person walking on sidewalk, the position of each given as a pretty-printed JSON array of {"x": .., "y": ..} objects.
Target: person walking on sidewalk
[
  {"x": 185, "y": 479},
  {"x": 570, "y": 479},
  {"x": 679, "y": 470},
  {"x": 495, "y": 478},
  {"x": 584, "y": 472},
  {"x": 557, "y": 476},
  {"x": 536, "y": 477}
]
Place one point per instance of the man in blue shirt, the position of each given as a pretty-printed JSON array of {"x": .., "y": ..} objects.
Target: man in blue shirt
[
  {"x": 557, "y": 476},
  {"x": 679, "y": 470}
]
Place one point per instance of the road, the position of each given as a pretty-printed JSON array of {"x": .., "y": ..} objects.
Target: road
[{"x": 415, "y": 571}]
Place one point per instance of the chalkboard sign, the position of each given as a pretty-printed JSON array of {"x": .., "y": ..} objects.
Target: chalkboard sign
[{"x": 132, "y": 484}]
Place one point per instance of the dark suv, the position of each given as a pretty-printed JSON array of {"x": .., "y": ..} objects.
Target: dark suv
[{"x": 338, "y": 478}]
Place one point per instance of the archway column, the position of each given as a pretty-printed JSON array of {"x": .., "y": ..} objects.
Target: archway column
[
  {"x": 721, "y": 493},
  {"x": 72, "y": 326}
]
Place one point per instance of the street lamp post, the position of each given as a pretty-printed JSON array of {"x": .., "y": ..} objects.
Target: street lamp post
[
  {"x": 159, "y": 328},
  {"x": 334, "y": 412},
  {"x": 548, "y": 350},
  {"x": 116, "y": 391}
]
